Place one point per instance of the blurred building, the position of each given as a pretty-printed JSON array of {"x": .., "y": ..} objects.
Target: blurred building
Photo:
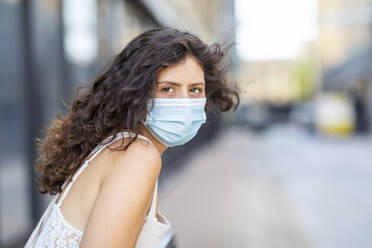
[
  {"x": 49, "y": 49},
  {"x": 344, "y": 29},
  {"x": 268, "y": 81},
  {"x": 345, "y": 53},
  {"x": 274, "y": 87}
]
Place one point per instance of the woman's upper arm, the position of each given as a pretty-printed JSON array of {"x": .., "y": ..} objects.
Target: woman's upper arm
[{"x": 117, "y": 216}]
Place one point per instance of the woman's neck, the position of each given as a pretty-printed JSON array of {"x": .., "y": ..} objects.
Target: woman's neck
[{"x": 144, "y": 132}]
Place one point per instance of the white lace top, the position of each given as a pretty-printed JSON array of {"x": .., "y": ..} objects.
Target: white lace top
[{"x": 54, "y": 231}]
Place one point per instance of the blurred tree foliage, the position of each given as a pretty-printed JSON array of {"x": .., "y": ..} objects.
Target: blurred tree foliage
[{"x": 305, "y": 77}]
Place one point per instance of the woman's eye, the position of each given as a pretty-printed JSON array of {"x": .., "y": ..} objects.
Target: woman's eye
[
  {"x": 167, "y": 89},
  {"x": 196, "y": 90}
]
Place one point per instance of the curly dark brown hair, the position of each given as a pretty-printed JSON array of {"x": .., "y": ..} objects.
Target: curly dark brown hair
[{"x": 117, "y": 99}]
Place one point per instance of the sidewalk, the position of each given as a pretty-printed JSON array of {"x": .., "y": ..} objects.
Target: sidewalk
[{"x": 222, "y": 198}]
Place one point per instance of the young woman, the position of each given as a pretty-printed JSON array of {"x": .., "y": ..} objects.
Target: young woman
[{"x": 102, "y": 159}]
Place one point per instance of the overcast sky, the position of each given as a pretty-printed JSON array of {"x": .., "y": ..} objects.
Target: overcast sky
[{"x": 272, "y": 29}]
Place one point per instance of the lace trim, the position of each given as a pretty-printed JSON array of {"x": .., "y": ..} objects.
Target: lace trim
[
  {"x": 65, "y": 221},
  {"x": 58, "y": 232}
]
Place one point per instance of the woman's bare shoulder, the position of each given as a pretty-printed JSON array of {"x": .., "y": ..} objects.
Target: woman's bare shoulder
[
  {"x": 125, "y": 194},
  {"x": 141, "y": 156}
]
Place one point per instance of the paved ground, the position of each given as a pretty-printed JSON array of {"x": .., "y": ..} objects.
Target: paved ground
[{"x": 279, "y": 189}]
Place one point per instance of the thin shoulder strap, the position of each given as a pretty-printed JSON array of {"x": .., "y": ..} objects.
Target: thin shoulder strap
[
  {"x": 104, "y": 143},
  {"x": 91, "y": 156},
  {"x": 152, "y": 211}
]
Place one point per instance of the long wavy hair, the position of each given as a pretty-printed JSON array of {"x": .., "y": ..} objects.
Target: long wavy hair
[{"x": 117, "y": 99}]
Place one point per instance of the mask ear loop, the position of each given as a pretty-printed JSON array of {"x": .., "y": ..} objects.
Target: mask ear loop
[
  {"x": 152, "y": 133},
  {"x": 143, "y": 121}
]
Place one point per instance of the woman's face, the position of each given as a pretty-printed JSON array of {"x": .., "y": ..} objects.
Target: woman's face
[{"x": 182, "y": 80}]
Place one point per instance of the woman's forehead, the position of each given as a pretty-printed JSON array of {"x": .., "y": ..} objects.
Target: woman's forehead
[{"x": 188, "y": 71}]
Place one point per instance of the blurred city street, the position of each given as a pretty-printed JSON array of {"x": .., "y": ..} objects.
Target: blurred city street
[
  {"x": 280, "y": 188},
  {"x": 290, "y": 167}
]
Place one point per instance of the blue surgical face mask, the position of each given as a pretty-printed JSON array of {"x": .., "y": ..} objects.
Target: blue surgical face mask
[{"x": 175, "y": 121}]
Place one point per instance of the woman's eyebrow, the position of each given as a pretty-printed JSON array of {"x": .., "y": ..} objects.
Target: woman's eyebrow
[
  {"x": 168, "y": 82},
  {"x": 198, "y": 83},
  {"x": 174, "y": 83}
]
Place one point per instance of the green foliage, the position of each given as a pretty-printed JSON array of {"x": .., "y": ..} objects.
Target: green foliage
[{"x": 305, "y": 77}]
